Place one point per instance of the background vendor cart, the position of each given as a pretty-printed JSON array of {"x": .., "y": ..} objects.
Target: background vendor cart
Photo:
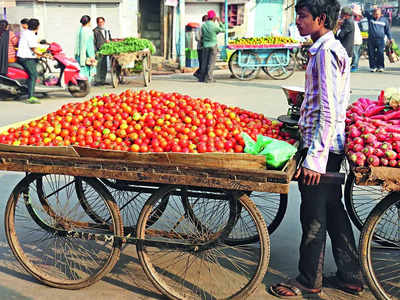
[{"x": 275, "y": 60}]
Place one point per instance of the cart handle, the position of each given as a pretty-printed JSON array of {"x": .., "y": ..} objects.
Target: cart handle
[{"x": 330, "y": 178}]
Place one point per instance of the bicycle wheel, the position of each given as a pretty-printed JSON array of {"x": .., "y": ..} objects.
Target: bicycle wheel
[
  {"x": 279, "y": 66},
  {"x": 245, "y": 65},
  {"x": 146, "y": 64},
  {"x": 206, "y": 267},
  {"x": 130, "y": 200},
  {"x": 272, "y": 208},
  {"x": 116, "y": 73},
  {"x": 360, "y": 200},
  {"x": 40, "y": 240},
  {"x": 381, "y": 264}
]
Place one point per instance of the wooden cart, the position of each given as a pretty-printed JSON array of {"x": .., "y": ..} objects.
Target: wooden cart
[
  {"x": 121, "y": 63},
  {"x": 275, "y": 60},
  {"x": 197, "y": 232},
  {"x": 377, "y": 212}
]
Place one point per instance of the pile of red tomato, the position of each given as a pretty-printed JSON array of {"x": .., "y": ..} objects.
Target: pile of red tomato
[{"x": 146, "y": 121}]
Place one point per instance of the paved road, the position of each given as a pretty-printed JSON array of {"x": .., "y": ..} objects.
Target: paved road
[{"x": 127, "y": 281}]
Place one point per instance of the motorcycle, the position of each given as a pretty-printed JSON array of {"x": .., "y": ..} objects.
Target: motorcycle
[{"x": 69, "y": 78}]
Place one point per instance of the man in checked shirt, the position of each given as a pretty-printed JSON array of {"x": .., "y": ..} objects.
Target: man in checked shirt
[{"x": 322, "y": 127}]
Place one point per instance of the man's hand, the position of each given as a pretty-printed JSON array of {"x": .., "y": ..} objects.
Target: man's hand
[{"x": 310, "y": 177}]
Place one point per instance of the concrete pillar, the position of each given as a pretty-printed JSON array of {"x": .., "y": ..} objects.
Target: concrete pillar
[{"x": 182, "y": 57}]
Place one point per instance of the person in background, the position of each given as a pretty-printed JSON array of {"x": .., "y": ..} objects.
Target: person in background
[
  {"x": 199, "y": 41},
  {"x": 209, "y": 32},
  {"x": 101, "y": 36},
  {"x": 84, "y": 49},
  {"x": 346, "y": 30},
  {"x": 322, "y": 130},
  {"x": 24, "y": 24},
  {"x": 27, "y": 56},
  {"x": 358, "y": 40},
  {"x": 378, "y": 28},
  {"x": 9, "y": 41}
]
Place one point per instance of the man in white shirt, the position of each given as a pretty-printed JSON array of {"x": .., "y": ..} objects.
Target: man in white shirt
[
  {"x": 357, "y": 38},
  {"x": 27, "y": 54}
]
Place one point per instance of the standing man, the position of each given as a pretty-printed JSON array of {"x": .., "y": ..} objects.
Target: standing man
[
  {"x": 209, "y": 32},
  {"x": 358, "y": 40},
  {"x": 101, "y": 36},
  {"x": 346, "y": 30},
  {"x": 199, "y": 41},
  {"x": 322, "y": 128},
  {"x": 378, "y": 27}
]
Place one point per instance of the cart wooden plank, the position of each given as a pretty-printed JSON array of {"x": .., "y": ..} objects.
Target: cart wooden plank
[
  {"x": 152, "y": 172},
  {"x": 213, "y": 160},
  {"x": 387, "y": 177}
]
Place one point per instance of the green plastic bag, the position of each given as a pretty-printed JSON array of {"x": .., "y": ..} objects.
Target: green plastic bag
[
  {"x": 396, "y": 48},
  {"x": 250, "y": 144},
  {"x": 276, "y": 152}
]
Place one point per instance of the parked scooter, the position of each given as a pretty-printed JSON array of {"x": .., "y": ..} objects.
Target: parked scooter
[{"x": 69, "y": 78}]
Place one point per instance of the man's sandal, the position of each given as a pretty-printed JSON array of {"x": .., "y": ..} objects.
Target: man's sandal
[
  {"x": 338, "y": 284},
  {"x": 288, "y": 290}
]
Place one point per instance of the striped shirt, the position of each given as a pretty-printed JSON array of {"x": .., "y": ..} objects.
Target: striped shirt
[{"x": 327, "y": 93}]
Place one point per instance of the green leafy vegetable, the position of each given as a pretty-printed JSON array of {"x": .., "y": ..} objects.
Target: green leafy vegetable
[{"x": 127, "y": 45}]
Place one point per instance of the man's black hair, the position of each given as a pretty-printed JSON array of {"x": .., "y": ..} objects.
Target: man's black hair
[
  {"x": 204, "y": 18},
  {"x": 100, "y": 18},
  {"x": 33, "y": 24},
  {"x": 24, "y": 21},
  {"x": 317, "y": 8}
]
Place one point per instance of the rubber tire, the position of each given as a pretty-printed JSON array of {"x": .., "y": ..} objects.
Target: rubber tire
[
  {"x": 349, "y": 203},
  {"x": 43, "y": 277},
  {"x": 253, "y": 74},
  {"x": 117, "y": 77},
  {"x": 264, "y": 246},
  {"x": 289, "y": 74},
  {"x": 84, "y": 89},
  {"x": 146, "y": 64},
  {"x": 366, "y": 239}
]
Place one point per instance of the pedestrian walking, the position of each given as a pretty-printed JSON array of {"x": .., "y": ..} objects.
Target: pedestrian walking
[
  {"x": 84, "y": 49},
  {"x": 346, "y": 30},
  {"x": 101, "y": 36},
  {"x": 199, "y": 41},
  {"x": 378, "y": 28},
  {"x": 209, "y": 32},
  {"x": 322, "y": 129}
]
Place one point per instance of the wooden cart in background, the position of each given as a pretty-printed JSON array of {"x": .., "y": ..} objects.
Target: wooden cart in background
[{"x": 123, "y": 62}]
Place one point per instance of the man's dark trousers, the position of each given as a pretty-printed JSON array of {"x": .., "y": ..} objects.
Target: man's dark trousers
[
  {"x": 322, "y": 211},
  {"x": 29, "y": 65},
  {"x": 200, "y": 59},
  {"x": 101, "y": 69},
  {"x": 376, "y": 53},
  {"x": 208, "y": 64}
]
